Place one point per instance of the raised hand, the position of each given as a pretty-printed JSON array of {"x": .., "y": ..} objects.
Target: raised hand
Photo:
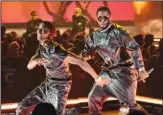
[{"x": 142, "y": 76}]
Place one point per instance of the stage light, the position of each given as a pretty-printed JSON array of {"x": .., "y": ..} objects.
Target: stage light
[
  {"x": 157, "y": 40},
  {"x": 139, "y": 6},
  {"x": 8, "y": 106}
]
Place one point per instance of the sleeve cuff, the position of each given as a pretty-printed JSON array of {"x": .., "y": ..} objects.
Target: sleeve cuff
[{"x": 141, "y": 69}]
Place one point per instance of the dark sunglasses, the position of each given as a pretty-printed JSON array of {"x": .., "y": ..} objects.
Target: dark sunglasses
[{"x": 102, "y": 17}]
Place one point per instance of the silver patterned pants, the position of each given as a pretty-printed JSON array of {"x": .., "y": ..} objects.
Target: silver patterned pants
[
  {"x": 123, "y": 86},
  {"x": 50, "y": 91}
]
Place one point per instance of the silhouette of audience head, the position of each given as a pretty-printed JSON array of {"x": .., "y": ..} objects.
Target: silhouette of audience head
[
  {"x": 149, "y": 38},
  {"x": 14, "y": 36},
  {"x": 14, "y": 49},
  {"x": 65, "y": 36},
  {"x": 136, "y": 113},
  {"x": 44, "y": 109},
  {"x": 58, "y": 33},
  {"x": 139, "y": 39}
]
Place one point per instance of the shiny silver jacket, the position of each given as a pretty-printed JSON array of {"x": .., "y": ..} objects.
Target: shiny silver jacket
[{"x": 115, "y": 45}]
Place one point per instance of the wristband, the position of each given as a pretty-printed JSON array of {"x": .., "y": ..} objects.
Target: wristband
[
  {"x": 141, "y": 69},
  {"x": 97, "y": 79}
]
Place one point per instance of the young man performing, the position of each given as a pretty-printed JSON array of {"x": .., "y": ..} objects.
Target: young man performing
[{"x": 57, "y": 84}]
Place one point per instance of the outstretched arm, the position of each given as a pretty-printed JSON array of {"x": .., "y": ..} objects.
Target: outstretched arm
[
  {"x": 68, "y": 57},
  {"x": 73, "y": 59}
]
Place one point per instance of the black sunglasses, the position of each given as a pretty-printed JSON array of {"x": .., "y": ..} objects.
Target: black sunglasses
[{"x": 102, "y": 17}]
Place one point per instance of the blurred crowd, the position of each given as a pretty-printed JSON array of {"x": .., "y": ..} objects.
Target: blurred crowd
[{"x": 17, "y": 50}]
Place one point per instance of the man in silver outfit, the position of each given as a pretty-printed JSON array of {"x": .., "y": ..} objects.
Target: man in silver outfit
[
  {"x": 55, "y": 88},
  {"x": 123, "y": 65}
]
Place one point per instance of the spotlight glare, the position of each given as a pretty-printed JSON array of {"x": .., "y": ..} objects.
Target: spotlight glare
[{"x": 139, "y": 6}]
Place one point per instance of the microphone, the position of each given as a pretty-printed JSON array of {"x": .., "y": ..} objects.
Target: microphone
[{"x": 150, "y": 71}]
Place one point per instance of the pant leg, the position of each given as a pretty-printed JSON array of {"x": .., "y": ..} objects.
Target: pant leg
[
  {"x": 125, "y": 87},
  {"x": 97, "y": 97},
  {"x": 46, "y": 92},
  {"x": 58, "y": 97},
  {"x": 36, "y": 96}
]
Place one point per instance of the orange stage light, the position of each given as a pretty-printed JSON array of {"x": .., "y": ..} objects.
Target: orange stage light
[
  {"x": 139, "y": 6},
  {"x": 8, "y": 106}
]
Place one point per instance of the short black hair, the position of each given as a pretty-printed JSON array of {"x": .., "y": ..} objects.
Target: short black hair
[
  {"x": 149, "y": 38},
  {"x": 103, "y": 8},
  {"x": 33, "y": 13},
  {"x": 49, "y": 25}
]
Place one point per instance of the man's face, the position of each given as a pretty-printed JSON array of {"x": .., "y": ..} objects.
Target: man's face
[
  {"x": 34, "y": 17},
  {"x": 103, "y": 19},
  {"x": 42, "y": 32}
]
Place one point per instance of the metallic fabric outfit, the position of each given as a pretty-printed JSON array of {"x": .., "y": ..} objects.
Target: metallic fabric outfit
[
  {"x": 57, "y": 84},
  {"x": 121, "y": 55}
]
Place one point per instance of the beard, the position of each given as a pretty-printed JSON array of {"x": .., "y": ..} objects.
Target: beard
[{"x": 104, "y": 27}]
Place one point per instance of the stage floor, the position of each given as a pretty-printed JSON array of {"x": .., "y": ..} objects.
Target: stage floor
[
  {"x": 109, "y": 112},
  {"x": 104, "y": 113}
]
